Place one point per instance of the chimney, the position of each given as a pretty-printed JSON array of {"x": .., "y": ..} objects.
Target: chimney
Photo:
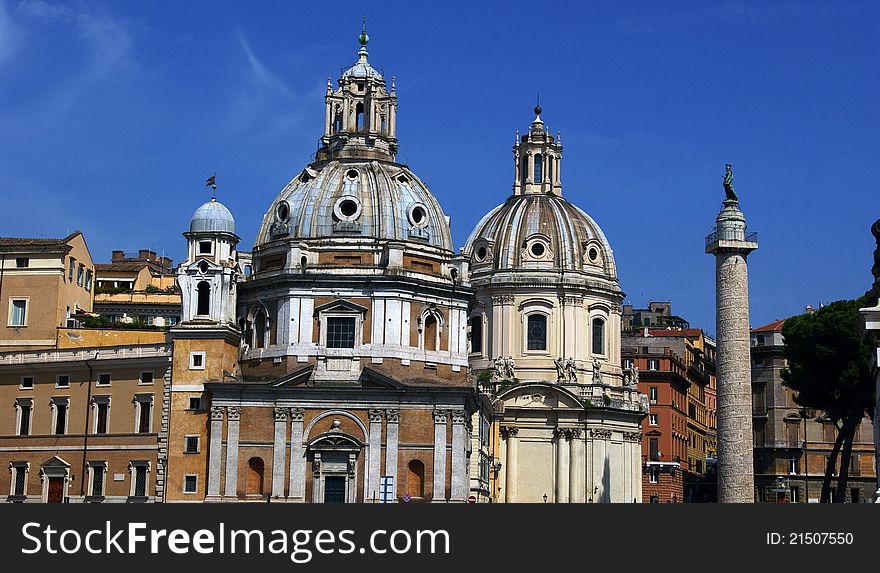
[
  {"x": 146, "y": 254},
  {"x": 165, "y": 262},
  {"x": 117, "y": 256}
]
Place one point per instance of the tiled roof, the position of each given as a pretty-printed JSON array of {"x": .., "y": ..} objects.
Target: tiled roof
[
  {"x": 35, "y": 241},
  {"x": 772, "y": 327},
  {"x": 676, "y": 332},
  {"x": 120, "y": 267}
]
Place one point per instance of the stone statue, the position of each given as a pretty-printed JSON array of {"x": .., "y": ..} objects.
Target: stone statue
[
  {"x": 509, "y": 366},
  {"x": 874, "y": 294},
  {"x": 597, "y": 375},
  {"x": 635, "y": 375},
  {"x": 627, "y": 377},
  {"x": 728, "y": 184},
  {"x": 571, "y": 370},
  {"x": 560, "y": 370},
  {"x": 499, "y": 367}
]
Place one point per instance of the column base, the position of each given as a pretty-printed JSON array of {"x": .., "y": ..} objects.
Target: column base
[
  {"x": 229, "y": 498},
  {"x": 213, "y": 498},
  {"x": 295, "y": 500}
]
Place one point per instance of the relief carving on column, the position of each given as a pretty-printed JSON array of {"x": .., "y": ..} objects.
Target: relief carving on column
[
  {"x": 503, "y": 299},
  {"x": 600, "y": 433},
  {"x": 392, "y": 416},
  {"x": 375, "y": 416},
  {"x": 217, "y": 413},
  {"x": 574, "y": 433},
  {"x": 296, "y": 414},
  {"x": 439, "y": 416},
  {"x": 280, "y": 414},
  {"x": 458, "y": 417},
  {"x": 509, "y": 431},
  {"x": 233, "y": 413},
  {"x": 632, "y": 436}
]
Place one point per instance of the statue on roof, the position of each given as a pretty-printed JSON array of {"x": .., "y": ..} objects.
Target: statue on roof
[{"x": 728, "y": 184}]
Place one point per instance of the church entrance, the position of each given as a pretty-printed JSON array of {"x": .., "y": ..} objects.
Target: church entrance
[
  {"x": 56, "y": 490},
  {"x": 334, "y": 489}
]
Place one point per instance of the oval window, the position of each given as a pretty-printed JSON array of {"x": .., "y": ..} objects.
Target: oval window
[
  {"x": 418, "y": 215},
  {"x": 282, "y": 211},
  {"x": 351, "y": 173},
  {"x": 203, "y": 266},
  {"x": 594, "y": 254},
  {"x": 481, "y": 253},
  {"x": 348, "y": 207},
  {"x": 538, "y": 249}
]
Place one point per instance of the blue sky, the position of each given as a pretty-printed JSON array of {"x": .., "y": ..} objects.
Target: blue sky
[{"x": 113, "y": 114}]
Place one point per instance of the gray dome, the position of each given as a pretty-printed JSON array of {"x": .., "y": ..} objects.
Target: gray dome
[
  {"x": 347, "y": 199},
  {"x": 212, "y": 217},
  {"x": 570, "y": 240}
]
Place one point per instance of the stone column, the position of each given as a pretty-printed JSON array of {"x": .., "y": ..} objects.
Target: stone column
[
  {"x": 375, "y": 441},
  {"x": 214, "y": 451},
  {"x": 730, "y": 245},
  {"x": 297, "y": 486},
  {"x": 233, "y": 417},
  {"x": 561, "y": 466},
  {"x": 439, "y": 456},
  {"x": 280, "y": 415},
  {"x": 509, "y": 434},
  {"x": 459, "y": 463},
  {"x": 391, "y": 441},
  {"x": 576, "y": 467}
]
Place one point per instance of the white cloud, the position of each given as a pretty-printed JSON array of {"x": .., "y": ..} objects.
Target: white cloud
[
  {"x": 260, "y": 75},
  {"x": 43, "y": 10},
  {"x": 8, "y": 34}
]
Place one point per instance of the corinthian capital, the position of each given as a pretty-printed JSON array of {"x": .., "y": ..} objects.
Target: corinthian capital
[
  {"x": 217, "y": 413},
  {"x": 280, "y": 414},
  {"x": 233, "y": 413}
]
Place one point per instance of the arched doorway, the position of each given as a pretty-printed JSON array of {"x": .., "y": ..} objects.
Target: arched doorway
[
  {"x": 415, "y": 479},
  {"x": 255, "y": 477},
  {"x": 334, "y": 458}
]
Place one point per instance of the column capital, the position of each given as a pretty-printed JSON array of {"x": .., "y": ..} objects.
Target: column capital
[
  {"x": 392, "y": 416},
  {"x": 217, "y": 413},
  {"x": 509, "y": 431},
  {"x": 440, "y": 416},
  {"x": 375, "y": 416},
  {"x": 459, "y": 417},
  {"x": 574, "y": 433},
  {"x": 279, "y": 414},
  {"x": 296, "y": 414},
  {"x": 600, "y": 433},
  {"x": 632, "y": 436},
  {"x": 233, "y": 413}
]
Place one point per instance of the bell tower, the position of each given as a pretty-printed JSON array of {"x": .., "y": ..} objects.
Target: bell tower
[
  {"x": 360, "y": 116},
  {"x": 537, "y": 156}
]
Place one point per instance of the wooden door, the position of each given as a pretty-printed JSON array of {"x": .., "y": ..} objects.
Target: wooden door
[{"x": 56, "y": 490}]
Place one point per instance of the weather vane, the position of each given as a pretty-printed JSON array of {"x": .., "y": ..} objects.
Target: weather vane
[{"x": 212, "y": 183}]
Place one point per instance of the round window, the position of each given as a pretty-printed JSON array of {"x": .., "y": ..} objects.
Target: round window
[
  {"x": 351, "y": 173},
  {"x": 282, "y": 211},
  {"x": 594, "y": 254},
  {"x": 203, "y": 267},
  {"x": 538, "y": 249},
  {"x": 348, "y": 207},
  {"x": 482, "y": 252},
  {"x": 418, "y": 215}
]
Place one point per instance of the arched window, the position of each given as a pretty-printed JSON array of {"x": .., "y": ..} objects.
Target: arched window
[
  {"x": 477, "y": 334},
  {"x": 598, "y": 336},
  {"x": 536, "y": 332},
  {"x": 337, "y": 123},
  {"x": 539, "y": 163},
  {"x": 550, "y": 163},
  {"x": 415, "y": 479},
  {"x": 255, "y": 473},
  {"x": 260, "y": 329},
  {"x": 431, "y": 333},
  {"x": 383, "y": 126},
  {"x": 525, "y": 168},
  {"x": 203, "y": 306},
  {"x": 359, "y": 117}
]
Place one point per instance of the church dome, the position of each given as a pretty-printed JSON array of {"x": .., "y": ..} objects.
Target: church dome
[
  {"x": 212, "y": 217},
  {"x": 539, "y": 231},
  {"x": 350, "y": 198}
]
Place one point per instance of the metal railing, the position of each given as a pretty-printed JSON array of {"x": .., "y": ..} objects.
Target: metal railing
[{"x": 730, "y": 235}]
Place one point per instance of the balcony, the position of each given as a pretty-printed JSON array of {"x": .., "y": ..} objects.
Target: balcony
[{"x": 730, "y": 235}]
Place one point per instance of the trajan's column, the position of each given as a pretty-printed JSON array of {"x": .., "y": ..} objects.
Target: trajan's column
[{"x": 731, "y": 245}]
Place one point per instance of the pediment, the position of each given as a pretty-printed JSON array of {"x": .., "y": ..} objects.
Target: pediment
[
  {"x": 299, "y": 377},
  {"x": 55, "y": 462},
  {"x": 340, "y": 305}
]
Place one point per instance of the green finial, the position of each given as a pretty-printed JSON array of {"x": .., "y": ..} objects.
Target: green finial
[{"x": 364, "y": 38}]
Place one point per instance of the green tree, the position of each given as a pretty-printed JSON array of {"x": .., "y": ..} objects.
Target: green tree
[{"x": 829, "y": 369}]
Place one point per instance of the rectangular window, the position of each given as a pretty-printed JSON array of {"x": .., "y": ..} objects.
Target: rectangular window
[
  {"x": 855, "y": 468},
  {"x": 98, "y": 471},
  {"x": 146, "y": 378},
  {"x": 653, "y": 364},
  {"x": 536, "y": 332},
  {"x": 795, "y": 494},
  {"x": 195, "y": 404},
  {"x": 192, "y": 445},
  {"x": 18, "y": 312},
  {"x": 103, "y": 379},
  {"x": 829, "y": 432},
  {"x": 144, "y": 413},
  {"x": 653, "y": 475},
  {"x": 793, "y": 465},
  {"x": 205, "y": 247},
  {"x": 855, "y": 495},
  {"x": 80, "y": 271},
  {"x": 62, "y": 381},
  {"x": 20, "y": 479},
  {"x": 196, "y": 360},
  {"x": 652, "y": 394},
  {"x": 70, "y": 268},
  {"x": 627, "y": 363},
  {"x": 89, "y": 279},
  {"x": 22, "y": 262},
  {"x": 27, "y": 382},
  {"x": 340, "y": 332},
  {"x": 140, "y": 480},
  {"x": 654, "y": 449},
  {"x": 598, "y": 336},
  {"x": 25, "y": 408},
  {"x": 477, "y": 334},
  {"x": 190, "y": 483},
  {"x": 102, "y": 417},
  {"x": 652, "y": 419},
  {"x": 60, "y": 418}
]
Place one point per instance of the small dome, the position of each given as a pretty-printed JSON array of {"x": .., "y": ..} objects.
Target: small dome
[
  {"x": 357, "y": 199},
  {"x": 535, "y": 232},
  {"x": 362, "y": 69},
  {"x": 212, "y": 217}
]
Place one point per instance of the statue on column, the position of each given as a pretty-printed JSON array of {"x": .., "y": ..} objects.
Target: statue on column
[
  {"x": 728, "y": 184},
  {"x": 571, "y": 370},
  {"x": 597, "y": 374},
  {"x": 874, "y": 294},
  {"x": 499, "y": 367},
  {"x": 509, "y": 366},
  {"x": 560, "y": 370}
]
